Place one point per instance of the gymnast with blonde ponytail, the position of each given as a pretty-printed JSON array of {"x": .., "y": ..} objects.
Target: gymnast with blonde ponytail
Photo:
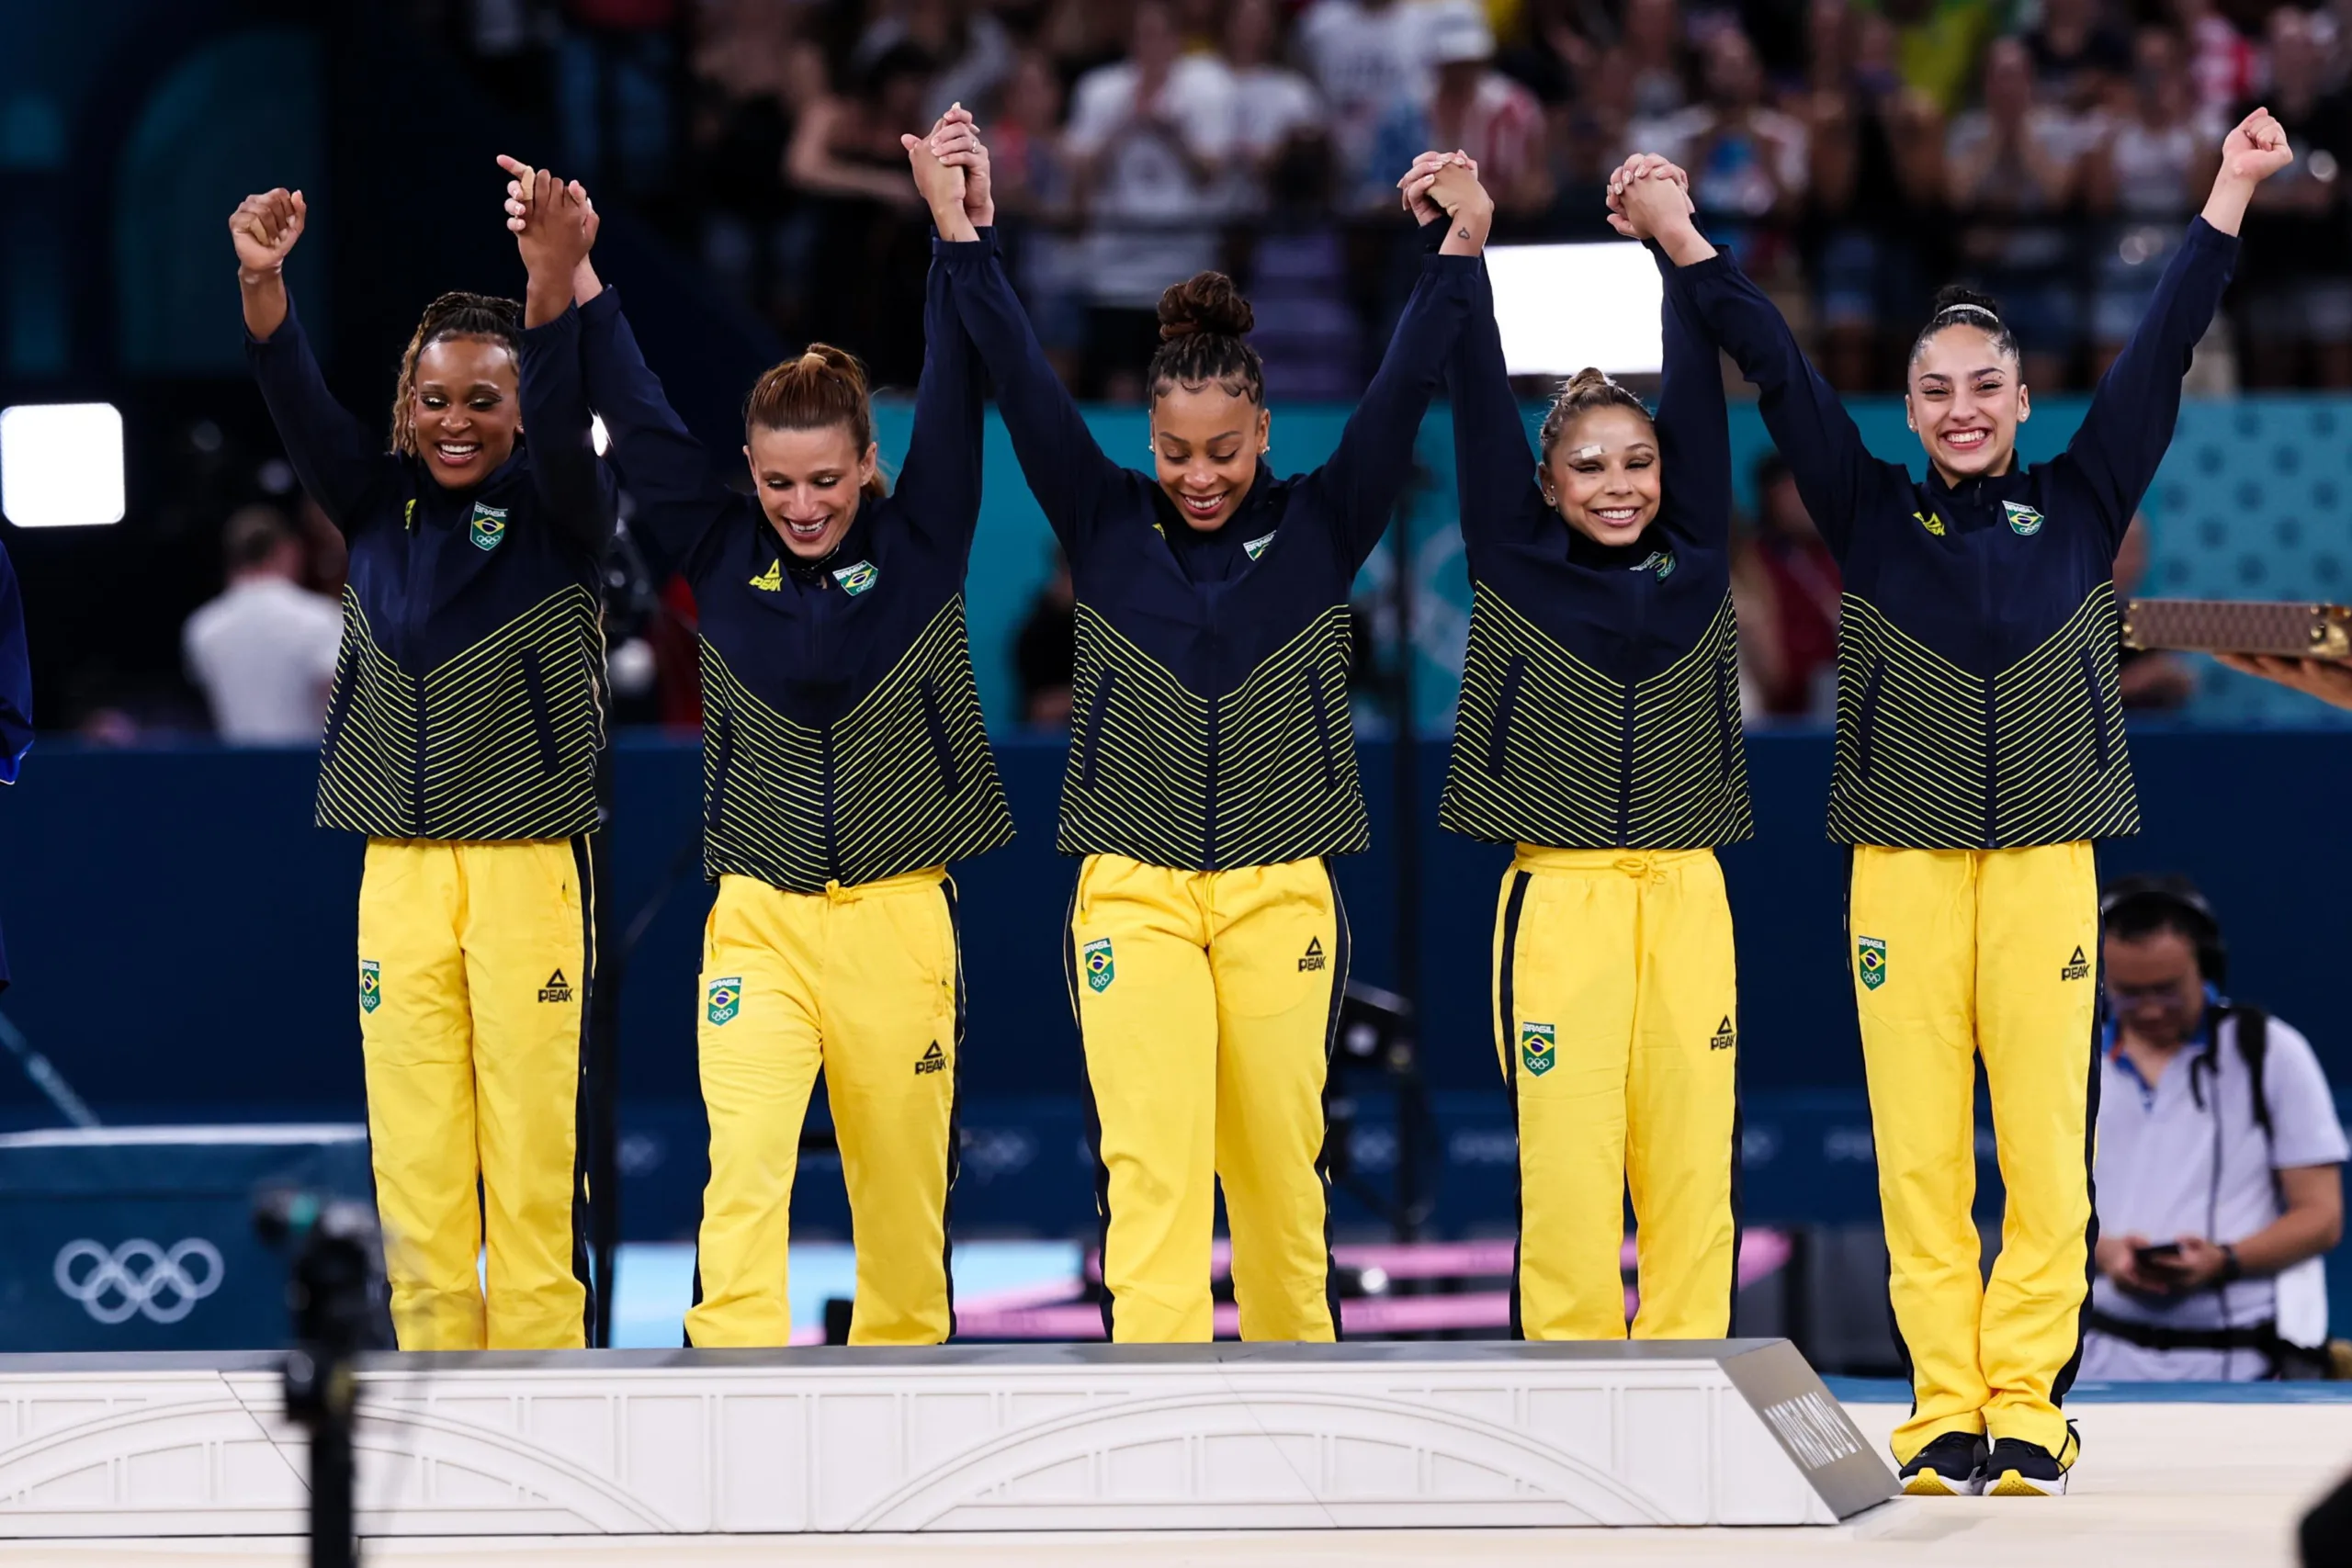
[
  {"x": 1598, "y": 734},
  {"x": 844, "y": 766}
]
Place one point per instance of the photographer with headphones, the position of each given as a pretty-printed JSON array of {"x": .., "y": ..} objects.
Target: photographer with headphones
[{"x": 2218, "y": 1176}]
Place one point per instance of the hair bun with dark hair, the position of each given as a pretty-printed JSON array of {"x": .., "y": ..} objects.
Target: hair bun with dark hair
[
  {"x": 1207, "y": 302},
  {"x": 1960, "y": 296}
]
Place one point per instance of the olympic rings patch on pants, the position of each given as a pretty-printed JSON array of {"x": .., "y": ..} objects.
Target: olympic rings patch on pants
[{"x": 137, "y": 1279}]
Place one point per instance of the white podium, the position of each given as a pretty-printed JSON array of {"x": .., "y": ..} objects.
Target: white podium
[{"x": 980, "y": 1438}]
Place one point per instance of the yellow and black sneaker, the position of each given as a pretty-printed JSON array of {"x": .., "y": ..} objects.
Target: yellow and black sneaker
[
  {"x": 1951, "y": 1466},
  {"x": 2020, "y": 1468}
]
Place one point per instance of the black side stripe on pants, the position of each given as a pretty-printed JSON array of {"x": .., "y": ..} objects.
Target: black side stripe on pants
[
  {"x": 1738, "y": 1206},
  {"x": 1340, "y": 960},
  {"x": 584, "y": 854},
  {"x": 955, "y": 1111},
  {"x": 2090, "y": 1184},
  {"x": 1505, "y": 1003},
  {"x": 1893, "y": 1323},
  {"x": 1093, "y": 1117}
]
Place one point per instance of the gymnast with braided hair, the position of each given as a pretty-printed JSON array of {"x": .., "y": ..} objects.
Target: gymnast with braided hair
[{"x": 462, "y": 739}]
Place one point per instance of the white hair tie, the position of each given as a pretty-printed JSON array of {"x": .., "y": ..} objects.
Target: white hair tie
[{"x": 1964, "y": 308}]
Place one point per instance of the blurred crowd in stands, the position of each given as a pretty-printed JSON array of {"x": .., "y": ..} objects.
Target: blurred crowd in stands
[{"x": 1855, "y": 152}]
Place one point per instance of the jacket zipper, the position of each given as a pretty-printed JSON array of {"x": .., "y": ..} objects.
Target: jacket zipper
[
  {"x": 1992, "y": 711},
  {"x": 1208, "y": 814},
  {"x": 1642, "y": 584}
]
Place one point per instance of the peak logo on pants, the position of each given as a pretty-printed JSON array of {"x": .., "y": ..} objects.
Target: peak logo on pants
[
  {"x": 2077, "y": 967},
  {"x": 556, "y": 990},
  {"x": 934, "y": 1060},
  {"x": 1312, "y": 959}
]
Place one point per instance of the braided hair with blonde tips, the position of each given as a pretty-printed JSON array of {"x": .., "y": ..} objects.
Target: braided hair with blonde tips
[
  {"x": 451, "y": 316},
  {"x": 822, "y": 388}
]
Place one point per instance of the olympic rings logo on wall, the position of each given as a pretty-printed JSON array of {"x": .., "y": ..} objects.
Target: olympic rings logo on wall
[{"x": 139, "y": 1279}]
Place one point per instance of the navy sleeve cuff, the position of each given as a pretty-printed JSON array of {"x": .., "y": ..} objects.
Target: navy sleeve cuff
[
  {"x": 562, "y": 326},
  {"x": 606, "y": 305}
]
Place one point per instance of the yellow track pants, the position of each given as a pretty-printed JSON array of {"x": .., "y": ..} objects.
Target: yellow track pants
[
  {"x": 1959, "y": 954},
  {"x": 865, "y": 982},
  {"x": 1616, "y": 1016},
  {"x": 475, "y": 964},
  {"x": 1207, "y": 1001}
]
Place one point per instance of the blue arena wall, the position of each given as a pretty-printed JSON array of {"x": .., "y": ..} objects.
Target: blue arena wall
[{"x": 183, "y": 942}]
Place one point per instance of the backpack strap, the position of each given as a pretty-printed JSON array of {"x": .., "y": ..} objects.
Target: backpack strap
[{"x": 2254, "y": 1049}]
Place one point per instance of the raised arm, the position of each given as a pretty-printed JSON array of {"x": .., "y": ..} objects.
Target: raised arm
[
  {"x": 1694, "y": 427},
  {"x": 1835, "y": 472},
  {"x": 939, "y": 484},
  {"x": 1370, "y": 467},
  {"x": 15, "y": 676},
  {"x": 571, "y": 481},
  {"x": 333, "y": 454},
  {"x": 668, "y": 473},
  {"x": 1067, "y": 470},
  {"x": 1494, "y": 465},
  {"x": 2130, "y": 422}
]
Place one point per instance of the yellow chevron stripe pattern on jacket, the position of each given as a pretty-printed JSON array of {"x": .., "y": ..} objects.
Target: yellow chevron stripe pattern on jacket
[
  {"x": 499, "y": 741},
  {"x": 1549, "y": 751},
  {"x": 1931, "y": 756},
  {"x": 1260, "y": 775},
  {"x": 907, "y": 773}
]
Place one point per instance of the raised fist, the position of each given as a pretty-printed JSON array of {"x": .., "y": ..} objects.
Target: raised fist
[
  {"x": 265, "y": 228},
  {"x": 2256, "y": 148}
]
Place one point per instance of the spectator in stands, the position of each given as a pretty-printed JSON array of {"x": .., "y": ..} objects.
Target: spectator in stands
[
  {"x": 752, "y": 73},
  {"x": 1747, "y": 160},
  {"x": 1046, "y": 650},
  {"x": 974, "y": 48},
  {"x": 1876, "y": 172},
  {"x": 1939, "y": 43},
  {"x": 2010, "y": 172},
  {"x": 1274, "y": 107},
  {"x": 2146, "y": 678},
  {"x": 1656, "y": 57},
  {"x": 1787, "y": 590},
  {"x": 1036, "y": 197},
  {"x": 1467, "y": 106},
  {"x": 1363, "y": 55},
  {"x": 869, "y": 246},
  {"x": 1150, "y": 136},
  {"x": 2220, "y": 1161},
  {"x": 2224, "y": 67},
  {"x": 2078, "y": 59},
  {"x": 2145, "y": 174},
  {"x": 615, "y": 63},
  {"x": 2294, "y": 302},
  {"x": 263, "y": 651}
]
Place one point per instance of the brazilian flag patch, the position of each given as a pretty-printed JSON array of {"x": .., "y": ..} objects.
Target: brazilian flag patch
[
  {"x": 1096, "y": 958},
  {"x": 1253, "y": 549},
  {"x": 489, "y": 530},
  {"x": 1870, "y": 962},
  {"x": 371, "y": 985},
  {"x": 857, "y": 578},
  {"x": 726, "y": 999},
  {"x": 1538, "y": 1047},
  {"x": 2023, "y": 519}
]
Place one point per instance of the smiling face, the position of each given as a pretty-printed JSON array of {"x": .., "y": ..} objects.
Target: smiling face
[
  {"x": 1602, "y": 475},
  {"x": 1204, "y": 444},
  {"x": 1966, "y": 401},
  {"x": 466, "y": 409},
  {"x": 809, "y": 483}
]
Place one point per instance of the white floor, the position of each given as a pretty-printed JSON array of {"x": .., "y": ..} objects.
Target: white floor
[{"x": 2159, "y": 1485}]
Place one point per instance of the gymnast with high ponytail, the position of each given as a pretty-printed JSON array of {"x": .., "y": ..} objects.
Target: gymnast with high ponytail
[
  {"x": 1598, "y": 734},
  {"x": 1981, "y": 755},
  {"x": 1212, "y": 774},
  {"x": 462, "y": 740},
  {"x": 844, "y": 767}
]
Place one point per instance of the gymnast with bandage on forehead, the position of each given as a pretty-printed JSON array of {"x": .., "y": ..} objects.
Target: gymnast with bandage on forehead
[{"x": 1598, "y": 732}]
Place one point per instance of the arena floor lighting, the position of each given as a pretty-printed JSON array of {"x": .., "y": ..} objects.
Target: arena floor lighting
[
  {"x": 1562, "y": 307},
  {"x": 61, "y": 465}
]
